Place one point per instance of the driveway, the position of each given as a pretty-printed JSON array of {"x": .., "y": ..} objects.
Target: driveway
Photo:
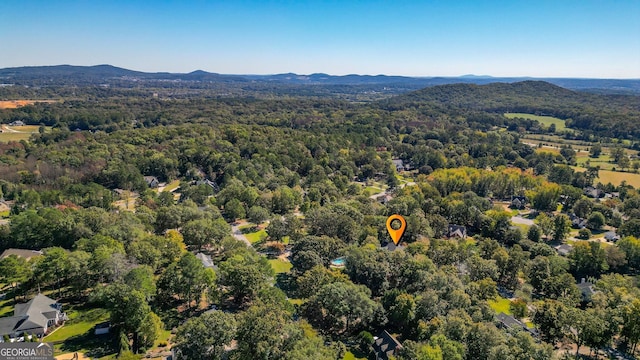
[
  {"x": 520, "y": 220},
  {"x": 237, "y": 233}
]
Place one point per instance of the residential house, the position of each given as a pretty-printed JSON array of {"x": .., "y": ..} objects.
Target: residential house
[
  {"x": 152, "y": 181},
  {"x": 206, "y": 260},
  {"x": 577, "y": 222},
  {"x": 35, "y": 317},
  {"x": 592, "y": 192},
  {"x": 120, "y": 193},
  {"x": 23, "y": 253},
  {"x": 385, "y": 346},
  {"x": 587, "y": 290},
  {"x": 518, "y": 202},
  {"x": 612, "y": 195},
  {"x": 399, "y": 164},
  {"x": 564, "y": 249},
  {"x": 611, "y": 236},
  {"x": 210, "y": 183},
  {"x": 510, "y": 323},
  {"x": 384, "y": 198},
  {"x": 457, "y": 231}
]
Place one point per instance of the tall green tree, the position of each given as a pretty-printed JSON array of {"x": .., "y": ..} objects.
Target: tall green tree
[
  {"x": 205, "y": 336},
  {"x": 342, "y": 308}
]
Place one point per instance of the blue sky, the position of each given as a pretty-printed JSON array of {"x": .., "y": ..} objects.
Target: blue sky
[{"x": 559, "y": 38}]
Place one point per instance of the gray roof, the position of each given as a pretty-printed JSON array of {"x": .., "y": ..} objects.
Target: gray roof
[
  {"x": 586, "y": 288},
  {"x": 23, "y": 253},
  {"x": 564, "y": 249},
  {"x": 206, "y": 260},
  {"x": 34, "y": 314},
  {"x": 510, "y": 322},
  {"x": 8, "y": 325},
  {"x": 611, "y": 235},
  {"x": 385, "y": 345}
]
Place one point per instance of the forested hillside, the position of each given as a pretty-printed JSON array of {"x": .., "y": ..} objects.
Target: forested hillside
[
  {"x": 612, "y": 116},
  {"x": 254, "y": 227}
]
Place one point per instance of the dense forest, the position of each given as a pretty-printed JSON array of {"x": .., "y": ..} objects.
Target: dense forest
[{"x": 121, "y": 188}]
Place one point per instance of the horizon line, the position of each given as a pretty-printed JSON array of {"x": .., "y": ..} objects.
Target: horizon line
[{"x": 468, "y": 75}]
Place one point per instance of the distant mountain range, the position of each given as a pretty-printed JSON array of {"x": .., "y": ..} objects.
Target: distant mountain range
[{"x": 61, "y": 75}]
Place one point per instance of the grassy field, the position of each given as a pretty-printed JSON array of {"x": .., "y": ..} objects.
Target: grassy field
[
  {"x": 603, "y": 161},
  {"x": 80, "y": 322},
  {"x": 501, "y": 305},
  {"x": 256, "y": 236},
  {"x": 17, "y": 133},
  {"x": 544, "y": 120},
  {"x": 280, "y": 266},
  {"x": 172, "y": 185},
  {"x": 6, "y": 307},
  {"x": 77, "y": 334},
  {"x": 553, "y": 151},
  {"x": 253, "y": 236},
  {"x": 614, "y": 177}
]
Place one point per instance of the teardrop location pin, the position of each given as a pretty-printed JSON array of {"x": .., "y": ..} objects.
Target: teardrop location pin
[{"x": 396, "y": 234}]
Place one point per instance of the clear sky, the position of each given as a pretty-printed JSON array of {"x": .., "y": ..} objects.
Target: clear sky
[{"x": 555, "y": 38}]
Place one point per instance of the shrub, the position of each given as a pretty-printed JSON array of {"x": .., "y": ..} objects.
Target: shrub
[{"x": 584, "y": 234}]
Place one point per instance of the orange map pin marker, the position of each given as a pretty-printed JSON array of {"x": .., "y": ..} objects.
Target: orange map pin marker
[{"x": 396, "y": 234}]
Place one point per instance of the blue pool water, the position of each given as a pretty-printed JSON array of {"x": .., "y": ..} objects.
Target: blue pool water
[{"x": 338, "y": 262}]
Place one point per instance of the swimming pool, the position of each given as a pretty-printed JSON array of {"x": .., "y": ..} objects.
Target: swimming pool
[{"x": 338, "y": 262}]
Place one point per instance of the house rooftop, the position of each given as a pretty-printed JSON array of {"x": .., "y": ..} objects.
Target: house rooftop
[
  {"x": 206, "y": 260},
  {"x": 30, "y": 315},
  {"x": 23, "y": 253},
  {"x": 385, "y": 345},
  {"x": 512, "y": 323},
  {"x": 564, "y": 249}
]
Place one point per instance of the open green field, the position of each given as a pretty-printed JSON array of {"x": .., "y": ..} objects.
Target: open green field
[
  {"x": 500, "y": 305},
  {"x": 80, "y": 322},
  {"x": 603, "y": 161},
  {"x": 256, "y": 236},
  {"x": 17, "y": 133},
  {"x": 280, "y": 266},
  {"x": 544, "y": 120},
  {"x": 253, "y": 236}
]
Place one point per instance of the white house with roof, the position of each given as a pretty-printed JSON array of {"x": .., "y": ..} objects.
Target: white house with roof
[{"x": 35, "y": 317}]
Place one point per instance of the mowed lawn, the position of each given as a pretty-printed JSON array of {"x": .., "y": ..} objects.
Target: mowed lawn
[
  {"x": 17, "y": 133},
  {"x": 253, "y": 236},
  {"x": 6, "y": 307},
  {"x": 501, "y": 305},
  {"x": 80, "y": 322},
  {"x": 544, "y": 120},
  {"x": 280, "y": 266}
]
